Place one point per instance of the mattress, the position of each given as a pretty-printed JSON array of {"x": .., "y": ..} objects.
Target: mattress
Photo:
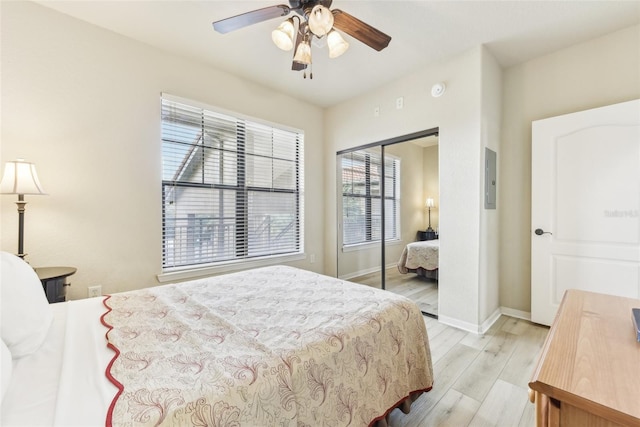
[{"x": 419, "y": 255}]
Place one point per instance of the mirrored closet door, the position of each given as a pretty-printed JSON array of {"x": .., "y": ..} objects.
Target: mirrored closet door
[{"x": 382, "y": 213}]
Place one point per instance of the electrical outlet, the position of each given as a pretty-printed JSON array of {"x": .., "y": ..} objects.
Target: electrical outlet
[
  {"x": 312, "y": 258},
  {"x": 400, "y": 103},
  {"x": 94, "y": 291}
]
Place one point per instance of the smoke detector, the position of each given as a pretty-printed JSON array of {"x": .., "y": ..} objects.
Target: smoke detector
[{"x": 438, "y": 89}]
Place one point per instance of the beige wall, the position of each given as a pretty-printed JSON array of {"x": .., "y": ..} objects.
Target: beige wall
[
  {"x": 83, "y": 104},
  {"x": 431, "y": 184},
  {"x": 600, "y": 72}
]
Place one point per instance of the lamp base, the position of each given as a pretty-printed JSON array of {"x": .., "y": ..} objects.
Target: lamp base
[{"x": 21, "y": 203}]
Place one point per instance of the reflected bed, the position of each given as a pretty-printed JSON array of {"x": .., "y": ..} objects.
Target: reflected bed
[{"x": 420, "y": 258}]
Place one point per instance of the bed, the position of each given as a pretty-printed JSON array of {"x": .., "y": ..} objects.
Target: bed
[
  {"x": 420, "y": 258},
  {"x": 271, "y": 346}
]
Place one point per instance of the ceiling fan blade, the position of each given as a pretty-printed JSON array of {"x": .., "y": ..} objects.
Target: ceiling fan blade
[
  {"x": 244, "y": 20},
  {"x": 368, "y": 35},
  {"x": 296, "y": 66}
]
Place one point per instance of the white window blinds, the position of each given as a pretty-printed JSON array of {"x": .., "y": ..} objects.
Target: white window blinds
[
  {"x": 232, "y": 187},
  {"x": 361, "y": 197}
]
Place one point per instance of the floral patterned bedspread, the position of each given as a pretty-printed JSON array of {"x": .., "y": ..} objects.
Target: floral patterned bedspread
[
  {"x": 419, "y": 255},
  {"x": 275, "y": 346}
]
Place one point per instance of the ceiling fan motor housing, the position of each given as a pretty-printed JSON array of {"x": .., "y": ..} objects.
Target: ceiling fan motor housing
[{"x": 303, "y": 7}]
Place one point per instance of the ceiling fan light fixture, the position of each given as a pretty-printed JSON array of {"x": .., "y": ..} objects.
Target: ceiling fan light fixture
[
  {"x": 303, "y": 53},
  {"x": 337, "y": 45},
  {"x": 283, "y": 35},
  {"x": 320, "y": 20}
]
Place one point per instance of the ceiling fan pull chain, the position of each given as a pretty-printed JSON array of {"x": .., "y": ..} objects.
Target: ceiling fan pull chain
[{"x": 311, "y": 71}]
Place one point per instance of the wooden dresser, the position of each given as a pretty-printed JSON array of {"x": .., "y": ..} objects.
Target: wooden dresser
[{"x": 588, "y": 373}]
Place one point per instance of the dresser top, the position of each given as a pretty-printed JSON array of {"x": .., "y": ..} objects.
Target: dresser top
[{"x": 591, "y": 358}]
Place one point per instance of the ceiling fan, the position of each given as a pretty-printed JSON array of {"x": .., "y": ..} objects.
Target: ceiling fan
[{"x": 314, "y": 19}]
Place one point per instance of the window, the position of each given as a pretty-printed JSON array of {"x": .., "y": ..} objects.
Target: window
[
  {"x": 361, "y": 197},
  {"x": 232, "y": 187}
]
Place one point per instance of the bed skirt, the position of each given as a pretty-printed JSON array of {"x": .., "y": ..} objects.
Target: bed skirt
[
  {"x": 404, "y": 405},
  {"x": 427, "y": 274}
]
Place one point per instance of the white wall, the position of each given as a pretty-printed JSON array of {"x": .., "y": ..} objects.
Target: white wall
[
  {"x": 489, "y": 288},
  {"x": 83, "y": 104},
  {"x": 599, "y": 72},
  {"x": 458, "y": 115}
]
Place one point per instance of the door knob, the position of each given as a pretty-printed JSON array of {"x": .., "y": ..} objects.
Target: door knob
[{"x": 540, "y": 232}]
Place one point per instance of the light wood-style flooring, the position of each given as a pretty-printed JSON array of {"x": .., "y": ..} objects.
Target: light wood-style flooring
[
  {"x": 478, "y": 380},
  {"x": 422, "y": 291}
]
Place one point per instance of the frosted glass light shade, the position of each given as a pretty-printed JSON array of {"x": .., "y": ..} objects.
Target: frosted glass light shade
[
  {"x": 337, "y": 45},
  {"x": 20, "y": 177},
  {"x": 303, "y": 53},
  {"x": 430, "y": 203},
  {"x": 320, "y": 20},
  {"x": 283, "y": 35}
]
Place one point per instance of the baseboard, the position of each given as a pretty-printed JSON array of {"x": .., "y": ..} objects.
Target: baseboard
[
  {"x": 460, "y": 324},
  {"x": 490, "y": 321},
  {"x": 471, "y": 327},
  {"x": 359, "y": 273},
  {"x": 349, "y": 276},
  {"x": 525, "y": 315}
]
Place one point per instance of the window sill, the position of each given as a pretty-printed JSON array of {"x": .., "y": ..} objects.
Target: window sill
[{"x": 191, "y": 272}]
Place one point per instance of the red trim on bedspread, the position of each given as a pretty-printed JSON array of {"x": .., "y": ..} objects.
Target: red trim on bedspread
[
  {"x": 109, "y": 420},
  {"x": 388, "y": 411}
]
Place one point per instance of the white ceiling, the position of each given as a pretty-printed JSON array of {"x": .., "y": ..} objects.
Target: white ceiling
[{"x": 423, "y": 32}]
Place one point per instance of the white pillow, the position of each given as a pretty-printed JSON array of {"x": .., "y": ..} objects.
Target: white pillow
[
  {"x": 25, "y": 311},
  {"x": 6, "y": 367}
]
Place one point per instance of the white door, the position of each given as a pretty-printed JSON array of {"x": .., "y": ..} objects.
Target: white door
[{"x": 585, "y": 217}]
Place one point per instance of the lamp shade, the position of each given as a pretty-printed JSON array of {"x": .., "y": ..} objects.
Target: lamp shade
[
  {"x": 430, "y": 203},
  {"x": 20, "y": 177},
  {"x": 320, "y": 20},
  {"x": 283, "y": 35},
  {"x": 337, "y": 45},
  {"x": 303, "y": 53}
]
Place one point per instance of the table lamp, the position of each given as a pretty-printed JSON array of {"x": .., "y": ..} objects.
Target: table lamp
[
  {"x": 20, "y": 178},
  {"x": 429, "y": 204}
]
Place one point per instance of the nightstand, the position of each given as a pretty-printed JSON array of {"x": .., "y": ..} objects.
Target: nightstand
[
  {"x": 54, "y": 281},
  {"x": 427, "y": 235}
]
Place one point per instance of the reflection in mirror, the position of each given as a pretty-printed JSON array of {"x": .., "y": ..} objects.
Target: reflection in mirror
[
  {"x": 411, "y": 176},
  {"x": 359, "y": 218},
  {"x": 412, "y": 262}
]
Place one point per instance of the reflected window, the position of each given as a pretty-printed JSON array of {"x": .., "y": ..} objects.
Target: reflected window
[{"x": 361, "y": 173}]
